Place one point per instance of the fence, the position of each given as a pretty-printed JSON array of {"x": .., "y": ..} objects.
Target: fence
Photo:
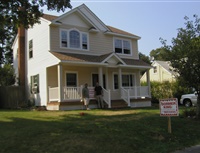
[{"x": 12, "y": 96}]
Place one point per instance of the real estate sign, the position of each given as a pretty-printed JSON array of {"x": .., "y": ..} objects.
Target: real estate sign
[{"x": 169, "y": 107}]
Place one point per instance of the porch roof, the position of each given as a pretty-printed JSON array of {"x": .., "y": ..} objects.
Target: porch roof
[{"x": 83, "y": 58}]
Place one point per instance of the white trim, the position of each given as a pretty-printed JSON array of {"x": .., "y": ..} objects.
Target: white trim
[
  {"x": 120, "y": 84},
  {"x": 133, "y": 74},
  {"x": 123, "y": 39},
  {"x": 122, "y": 35},
  {"x": 111, "y": 55},
  {"x": 68, "y": 39},
  {"x": 79, "y": 9}
]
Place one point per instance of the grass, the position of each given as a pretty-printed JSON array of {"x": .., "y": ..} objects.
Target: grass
[{"x": 110, "y": 131}]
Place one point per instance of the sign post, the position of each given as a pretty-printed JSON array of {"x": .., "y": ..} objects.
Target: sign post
[{"x": 169, "y": 107}]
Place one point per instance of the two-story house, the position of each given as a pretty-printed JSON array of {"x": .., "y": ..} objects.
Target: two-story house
[
  {"x": 62, "y": 53},
  {"x": 160, "y": 71}
]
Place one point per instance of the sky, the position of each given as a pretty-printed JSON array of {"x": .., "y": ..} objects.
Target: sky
[{"x": 149, "y": 19}]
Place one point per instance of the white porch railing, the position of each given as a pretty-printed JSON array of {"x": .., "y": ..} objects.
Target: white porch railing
[
  {"x": 53, "y": 94},
  {"x": 125, "y": 95},
  {"x": 75, "y": 93},
  {"x": 72, "y": 93},
  {"x": 106, "y": 97},
  {"x": 134, "y": 92},
  {"x": 138, "y": 91}
]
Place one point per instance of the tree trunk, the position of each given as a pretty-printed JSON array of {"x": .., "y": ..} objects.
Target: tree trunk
[{"x": 198, "y": 106}]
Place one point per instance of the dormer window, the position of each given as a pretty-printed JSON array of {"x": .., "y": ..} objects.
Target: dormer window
[
  {"x": 122, "y": 46},
  {"x": 74, "y": 39}
]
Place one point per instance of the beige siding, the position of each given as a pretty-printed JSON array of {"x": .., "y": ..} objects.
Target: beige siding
[{"x": 99, "y": 43}]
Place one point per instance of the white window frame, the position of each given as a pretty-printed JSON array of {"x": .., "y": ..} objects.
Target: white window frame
[
  {"x": 68, "y": 39},
  {"x": 133, "y": 79},
  {"x": 122, "y": 39}
]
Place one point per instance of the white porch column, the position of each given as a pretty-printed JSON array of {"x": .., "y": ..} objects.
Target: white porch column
[
  {"x": 107, "y": 78},
  {"x": 148, "y": 82},
  {"x": 120, "y": 77},
  {"x": 60, "y": 88},
  {"x": 100, "y": 76}
]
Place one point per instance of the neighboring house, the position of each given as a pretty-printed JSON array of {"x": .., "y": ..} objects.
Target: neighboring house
[
  {"x": 160, "y": 71},
  {"x": 55, "y": 58}
]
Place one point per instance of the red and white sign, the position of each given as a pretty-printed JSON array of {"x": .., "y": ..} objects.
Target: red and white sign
[{"x": 169, "y": 107}]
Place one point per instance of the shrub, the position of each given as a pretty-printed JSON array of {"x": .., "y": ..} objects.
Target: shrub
[
  {"x": 166, "y": 89},
  {"x": 189, "y": 112}
]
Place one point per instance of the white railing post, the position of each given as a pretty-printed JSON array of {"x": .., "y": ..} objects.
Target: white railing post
[
  {"x": 128, "y": 100},
  {"x": 109, "y": 100}
]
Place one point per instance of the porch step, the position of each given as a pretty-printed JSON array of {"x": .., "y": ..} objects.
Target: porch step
[{"x": 119, "y": 104}]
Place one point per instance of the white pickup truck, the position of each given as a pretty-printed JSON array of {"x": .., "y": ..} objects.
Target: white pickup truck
[{"x": 189, "y": 99}]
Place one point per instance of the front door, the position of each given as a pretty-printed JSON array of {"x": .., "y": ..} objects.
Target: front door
[{"x": 95, "y": 78}]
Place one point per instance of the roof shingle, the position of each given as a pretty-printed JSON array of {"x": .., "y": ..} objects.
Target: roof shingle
[{"x": 94, "y": 58}]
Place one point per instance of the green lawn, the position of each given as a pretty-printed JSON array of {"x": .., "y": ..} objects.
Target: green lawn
[{"x": 97, "y": 131}]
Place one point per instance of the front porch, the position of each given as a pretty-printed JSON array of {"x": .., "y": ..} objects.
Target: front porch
[
  {"x": 120, "y": 80},
  {"x": 129, "y": 97}
]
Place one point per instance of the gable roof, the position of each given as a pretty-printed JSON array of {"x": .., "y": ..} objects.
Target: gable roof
[
  {"x": 165, "y": 65},
  {"x": 86, "y": 11}
]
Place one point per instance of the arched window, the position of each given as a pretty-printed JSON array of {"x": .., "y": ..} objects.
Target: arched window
[{"x": 74, "y": 37}]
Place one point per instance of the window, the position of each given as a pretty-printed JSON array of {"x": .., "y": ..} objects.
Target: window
[
  {"x": 30, "y": 48},
  {"x": 116, "y": 83},
  {"x": 155, "y": 69},
  {"x": 122, "y": 46},
  {"x": 84, "y": 41},
  {"x": 118, "y": 46},
  {"x": 71, "y": 80},
  {"x": 64, "y": 38},
  {"x": 127, "y": 80},
  {"x": 35, "y": 84},
  {"x": 74, "y": 39}
]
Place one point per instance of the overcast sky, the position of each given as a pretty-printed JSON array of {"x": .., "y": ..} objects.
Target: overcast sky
[{"x": 149, "y": 19}]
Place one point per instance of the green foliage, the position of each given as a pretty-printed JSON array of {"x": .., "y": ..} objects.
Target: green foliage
[
  {"x": 144, "y": 58},
  {"x": 162, "y": 90},
  {"x": 185, "y": 55},
  {"x": 21, "y": 12},
  {"x": 7, "y": 75},
  {"x": 160, "y": 54},
  {"x": 189, "y": 112}
]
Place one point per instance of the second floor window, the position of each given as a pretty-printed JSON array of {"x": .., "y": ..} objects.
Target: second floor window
[
  {"x": 30, "y": 48},
  {"x": 74, "y": 39},
  {"x": 122, "y": 46}
]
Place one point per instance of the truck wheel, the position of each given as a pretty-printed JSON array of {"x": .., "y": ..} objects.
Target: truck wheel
[{"x": 187, "y": 103}]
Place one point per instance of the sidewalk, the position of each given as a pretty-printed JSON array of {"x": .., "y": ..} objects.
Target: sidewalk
[{"x": 194, "y": 149}]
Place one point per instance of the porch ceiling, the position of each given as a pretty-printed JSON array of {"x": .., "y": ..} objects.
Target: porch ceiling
[{"x": 95, "y": 59}]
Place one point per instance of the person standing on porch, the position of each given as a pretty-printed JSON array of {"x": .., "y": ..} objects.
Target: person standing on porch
[
  {"x": 85, "y": 96},
  {"x": 99, "y": 95}
]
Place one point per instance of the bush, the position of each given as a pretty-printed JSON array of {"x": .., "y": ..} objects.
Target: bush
[
  {"x": 189, "y": 112},
  {"x": 166, "y": 89}
]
